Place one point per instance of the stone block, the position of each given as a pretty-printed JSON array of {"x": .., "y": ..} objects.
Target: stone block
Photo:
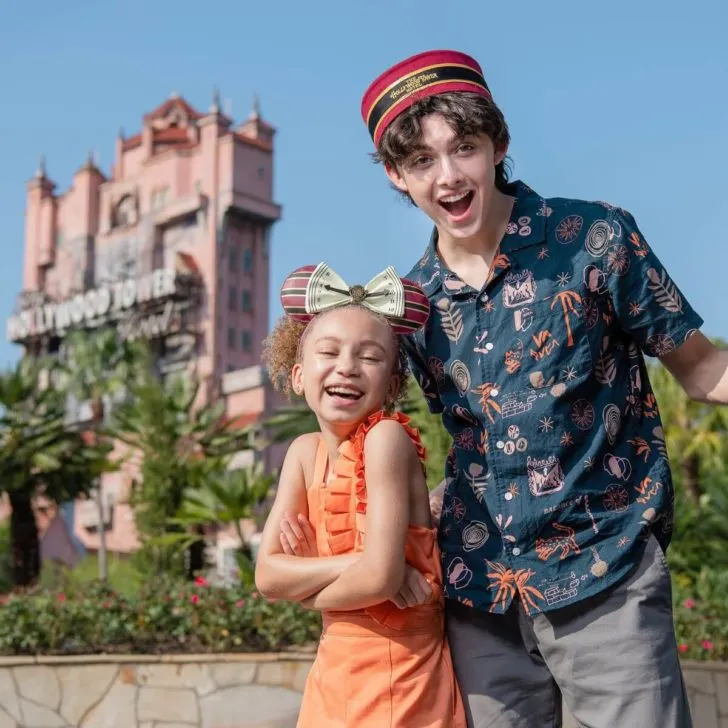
[
  {"x": 276, "y": 673},
  {"x": 249, "y": 706},
  {"x": 8, "y": 696},
  {"x": 6, "y": 721},
  {"x": 302, "y": 670},
  {"x": 699, "y": 681},
  {"x": 228, "y": 674},
  {"x": 39, "y": 684},
  {"x": 82, "y": 687},
  {"x": 168, "y": 705},
  {"x": 195, "y": 676},
  {"x": 705, "y": 711},
  {"x": 37, "y": 716},
  {"x": 721, "y": 691},
  {"x": 117, "y": 709}
]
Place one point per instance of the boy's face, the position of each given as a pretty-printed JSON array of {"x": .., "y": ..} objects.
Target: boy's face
[{"x": 450, "y": 178}]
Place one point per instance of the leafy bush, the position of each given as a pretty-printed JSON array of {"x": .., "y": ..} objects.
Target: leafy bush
[
  {"x": 176, "y": 616},
  {"x": 700, "y": 604},
  {"x": 123, "y": 576}
]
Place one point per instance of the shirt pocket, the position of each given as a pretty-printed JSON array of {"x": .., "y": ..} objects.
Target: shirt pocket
[{"x": 550, "y": 346}]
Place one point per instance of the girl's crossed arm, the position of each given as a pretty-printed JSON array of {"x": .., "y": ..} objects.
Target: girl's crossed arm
[
  {"x": 278, "y": 575},
  {"x": 391, "y": 460}
]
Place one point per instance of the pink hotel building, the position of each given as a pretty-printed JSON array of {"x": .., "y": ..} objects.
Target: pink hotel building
[{"x": 172, "y": 246}]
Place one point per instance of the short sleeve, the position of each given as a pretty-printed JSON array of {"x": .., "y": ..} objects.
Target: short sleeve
[
  {"x": 414, "y": 347},
  {"x": 647, "y": 302}
]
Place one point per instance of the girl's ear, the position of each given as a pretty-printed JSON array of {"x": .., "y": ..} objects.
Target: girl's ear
[{"x": 297, "y": 379}]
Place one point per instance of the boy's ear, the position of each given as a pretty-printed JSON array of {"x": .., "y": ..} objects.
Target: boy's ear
[
  {"x": 396, "y": 178},
  {"x": 500, "y": 154}
]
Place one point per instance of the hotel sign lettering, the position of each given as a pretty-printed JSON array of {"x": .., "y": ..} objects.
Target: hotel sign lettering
[{"x": 127, "y": 302}]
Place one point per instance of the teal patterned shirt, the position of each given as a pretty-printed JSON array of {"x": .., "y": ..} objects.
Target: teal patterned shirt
[{"x": 558, "y": 470}]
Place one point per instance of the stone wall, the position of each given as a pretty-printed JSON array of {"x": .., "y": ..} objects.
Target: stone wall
[
  {"x": 212, "y": 691},
  {"x": 141, "y": 691}
]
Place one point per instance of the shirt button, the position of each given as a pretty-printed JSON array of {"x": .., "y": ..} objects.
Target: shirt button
[
  {"x": 508, "y": 496},
  {"x": 493, "y": 392},
  {"x": 489, "y": 346},
  {"x": 484, "y": 297},
  {"x": 516, "y": 551}
]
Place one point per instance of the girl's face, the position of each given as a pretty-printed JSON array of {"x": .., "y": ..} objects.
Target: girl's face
[{"x": 347, "y": 367}]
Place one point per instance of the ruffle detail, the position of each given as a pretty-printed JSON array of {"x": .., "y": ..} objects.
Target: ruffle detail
[{"x": 345, "y": 494}]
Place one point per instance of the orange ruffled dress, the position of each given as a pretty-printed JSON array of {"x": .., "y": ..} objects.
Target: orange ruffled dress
[{"x": 380, "y": 666}]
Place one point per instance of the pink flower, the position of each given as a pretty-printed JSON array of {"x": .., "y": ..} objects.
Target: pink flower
[
  {"x": 255, "y": 595},
  {"x": 240, "y": 603},
  {"x": 61, "y": 597},
  {"x": 201, "y": 581},
  {"x": 689, "y": 604},
  {"x": 194, "y": 598},
  {"x": 707, "y": 645},
  {"x": 683, "y": 648}
]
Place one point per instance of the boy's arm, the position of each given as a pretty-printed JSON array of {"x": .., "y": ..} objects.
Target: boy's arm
[
  {"x": 653, "y": 310},
  {"x": 701, "y": 368},
  {"x": 278, "y": 575},
  {"x": 378, "y": 575}
]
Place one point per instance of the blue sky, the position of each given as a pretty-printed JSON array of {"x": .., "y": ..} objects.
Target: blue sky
[{"x": 610, "y": 101}]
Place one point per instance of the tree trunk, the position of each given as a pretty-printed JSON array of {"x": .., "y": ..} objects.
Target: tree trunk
[
  {"x": 97, "y": 419},
  {"x": 196, "y": 555},
  {"x": 691, "y": 477},
  {"x": 25, "y": 543},
  {"x": 103, "y": 562}
]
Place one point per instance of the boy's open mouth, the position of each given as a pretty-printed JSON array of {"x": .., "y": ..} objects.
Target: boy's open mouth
[
  {"x": 344, "y": 392},
  {"x": 457, "y": 205}
]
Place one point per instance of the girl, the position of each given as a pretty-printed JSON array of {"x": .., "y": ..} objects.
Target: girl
[{"x": 360, "y": 482}]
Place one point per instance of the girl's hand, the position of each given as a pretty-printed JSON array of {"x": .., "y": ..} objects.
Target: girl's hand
[
  {"x": 416, "y": 589},
  {"x": 297, "y": 536}
]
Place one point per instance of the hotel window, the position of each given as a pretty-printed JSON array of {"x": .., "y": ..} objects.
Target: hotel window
[
  {"x": 231, "y": 338},
  {"x": 233, "y": 258},
  {"x": 247, "y": 341},
  {"x": 247, "y": 301},
  {"x": 233, "y": 298},
  {"x": 247, "y": 260}
]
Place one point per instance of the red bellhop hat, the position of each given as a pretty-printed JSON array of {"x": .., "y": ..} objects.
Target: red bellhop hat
[{"x": 416, "y": 78}]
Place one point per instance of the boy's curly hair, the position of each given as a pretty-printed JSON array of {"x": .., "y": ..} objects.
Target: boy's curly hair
[{"x": 282, "y": 349}]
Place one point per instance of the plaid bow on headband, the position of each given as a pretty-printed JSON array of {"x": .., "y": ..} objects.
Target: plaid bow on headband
[{"x": 314, "y": 289}]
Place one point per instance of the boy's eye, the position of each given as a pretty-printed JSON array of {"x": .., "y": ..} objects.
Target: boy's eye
[
  {"x": 420, "y": 161},
  {"x": 466, "y": 147}
]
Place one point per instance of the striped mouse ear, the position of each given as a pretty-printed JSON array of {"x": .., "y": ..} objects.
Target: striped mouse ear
[
  {"x": 293, "y": 293},
  {"x": 416, "y": 309}
]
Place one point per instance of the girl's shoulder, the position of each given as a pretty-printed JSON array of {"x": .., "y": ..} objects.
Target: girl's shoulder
[
  {"x": 388, "y": 435},
  {"x": 304, "y": 449}
]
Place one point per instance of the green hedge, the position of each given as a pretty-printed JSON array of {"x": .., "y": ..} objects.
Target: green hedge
[
  {"x": 163, "y": 617},
  {"x": 184, "y": 617}
]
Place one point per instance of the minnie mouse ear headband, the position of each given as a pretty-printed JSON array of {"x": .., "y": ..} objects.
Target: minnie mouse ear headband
[
  {"x": 316, "y": 288},
  {"x": 415, "y": 78}
]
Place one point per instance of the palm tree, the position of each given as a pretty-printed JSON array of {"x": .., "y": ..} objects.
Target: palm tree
[
  {"x": 228, "y": 498},
  {"x": 287, "y": 423},
  {"x": 178, "y": 443},
  {"x": 100, "y": 369},
  {"x": 40, "y": 457},
  {"x": 435, "y": 437}
]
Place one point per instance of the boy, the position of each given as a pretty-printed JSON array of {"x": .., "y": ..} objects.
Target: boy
[{"x": 557, "y": 507}]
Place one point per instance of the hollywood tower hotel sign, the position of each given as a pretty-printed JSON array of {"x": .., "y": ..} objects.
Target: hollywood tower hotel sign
[{"x": 171, "y": 246}]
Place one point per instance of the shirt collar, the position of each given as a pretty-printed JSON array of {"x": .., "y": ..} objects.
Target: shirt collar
[{"x": 526, "y": 227}]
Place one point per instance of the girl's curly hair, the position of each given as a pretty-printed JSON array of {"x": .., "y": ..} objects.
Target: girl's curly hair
[{"x": 282, "y": 349}]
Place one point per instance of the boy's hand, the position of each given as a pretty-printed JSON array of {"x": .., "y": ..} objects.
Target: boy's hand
[
  {"x": 297, "y": 536},
  {"x": 416, "y": 589},
  {"x": 436, "y": 497}
]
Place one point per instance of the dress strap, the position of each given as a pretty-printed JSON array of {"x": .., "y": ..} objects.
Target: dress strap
[{"x": 322, "y": 460}]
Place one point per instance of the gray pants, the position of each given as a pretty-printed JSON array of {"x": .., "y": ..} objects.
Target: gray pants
[{"x": 613, "y": 657}]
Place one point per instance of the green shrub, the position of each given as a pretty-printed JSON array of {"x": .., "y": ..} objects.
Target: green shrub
[
  {"x": 700, "y": 603},
  {"x": 173, "y": 616}
]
